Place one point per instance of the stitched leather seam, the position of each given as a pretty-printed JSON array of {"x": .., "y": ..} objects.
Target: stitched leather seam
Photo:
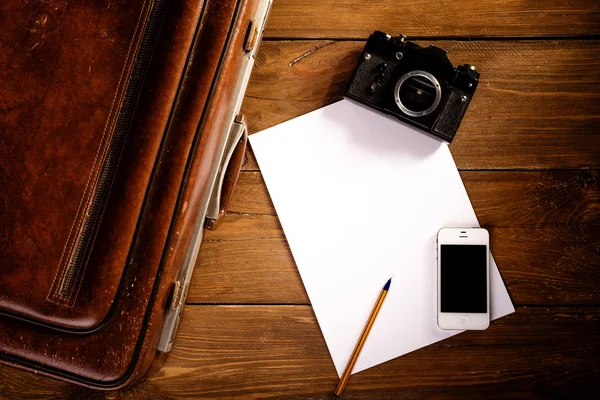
[
  {"x": 117, "y": 164},
  {"x": 119, "y": 95},
  {"x": 94, "y": 174}
]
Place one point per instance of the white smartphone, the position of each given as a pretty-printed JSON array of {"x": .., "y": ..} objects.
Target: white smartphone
[{"x": 463, "y": 259}]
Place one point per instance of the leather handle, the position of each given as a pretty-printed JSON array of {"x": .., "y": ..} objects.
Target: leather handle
[{"x": 229, "y": 172}]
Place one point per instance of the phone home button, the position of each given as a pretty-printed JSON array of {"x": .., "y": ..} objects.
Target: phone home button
[{"x": 464, "y": 319}]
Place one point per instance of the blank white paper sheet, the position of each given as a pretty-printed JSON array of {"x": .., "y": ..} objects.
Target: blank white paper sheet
[{"x": 360, "y": 198}]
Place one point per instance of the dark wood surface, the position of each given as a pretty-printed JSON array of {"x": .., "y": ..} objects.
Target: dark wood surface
[
  {"x": 343, "y": 19},
  {"x": 529, "y": 155},
  {"x": 278, "y": 352},
  {"x": 536, "y": 106}
]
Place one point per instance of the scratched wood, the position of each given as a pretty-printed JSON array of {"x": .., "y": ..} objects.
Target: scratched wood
[
  {"x": 500, "y": 198},
  {"x": 541, "y": 266},
  {"x": 537, "y": 106},
  {"x": 545, "y": 226},
  {"x": 335, "y": 19},
  {"x": 279, "y": 352}
]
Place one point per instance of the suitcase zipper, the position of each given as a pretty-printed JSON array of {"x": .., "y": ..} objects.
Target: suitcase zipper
[{"x": 81, "y": 249}]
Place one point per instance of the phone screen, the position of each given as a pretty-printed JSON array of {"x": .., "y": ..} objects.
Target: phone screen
[{"x": 463, "y": 278}]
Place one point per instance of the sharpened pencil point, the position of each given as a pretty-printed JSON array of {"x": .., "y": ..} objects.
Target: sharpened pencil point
[
  {"x": 387, "y": 285},
  {"x": 361, "y": 341}
]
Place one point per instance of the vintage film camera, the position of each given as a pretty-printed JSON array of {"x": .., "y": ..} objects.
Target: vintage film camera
[{"x": 416, "y": 85}]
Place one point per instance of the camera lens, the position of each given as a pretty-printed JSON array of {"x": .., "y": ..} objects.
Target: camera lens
[{"x": 417, "y": 93}]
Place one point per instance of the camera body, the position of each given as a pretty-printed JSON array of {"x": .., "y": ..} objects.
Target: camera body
[{"x": 416, "y": 85}]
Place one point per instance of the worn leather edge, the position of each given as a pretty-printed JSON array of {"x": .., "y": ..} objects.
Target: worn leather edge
[
  {"x": 144, "y": 353},
  {"x": 111, "y": 120},
  {"x": 108, "y": 134}
]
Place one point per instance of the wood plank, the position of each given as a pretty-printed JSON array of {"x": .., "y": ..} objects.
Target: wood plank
[
  {"x": 335, "y": 19},
  {"x": 537, "y": 107},
  {"x": 500, "y": 198},
  {"x": 278, "y": 351},
  {"x": 539, "y": 265},
  {"x": 545, "y": 230}
]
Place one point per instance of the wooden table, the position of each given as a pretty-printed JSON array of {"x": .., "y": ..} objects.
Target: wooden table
[{"x": 529, "y": 154}]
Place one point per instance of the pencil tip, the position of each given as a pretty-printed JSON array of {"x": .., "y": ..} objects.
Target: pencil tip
[{"x": 387, "y": 285}]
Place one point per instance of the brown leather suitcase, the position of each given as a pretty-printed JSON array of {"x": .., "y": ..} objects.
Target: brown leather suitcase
[{"x": 120, "y": 141}]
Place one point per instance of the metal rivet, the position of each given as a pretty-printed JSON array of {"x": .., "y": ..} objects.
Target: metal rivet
[
  {"x": 463, "y": 99},
  {"x": 470, "y": 85},
  {"x": 399, "y": 56},
  {"x": 388, "y": 36},
  {"x": 367, "y": 56}
]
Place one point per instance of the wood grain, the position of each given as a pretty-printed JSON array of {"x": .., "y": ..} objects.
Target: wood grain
[
  {"x": 539, "y": 265},
  {"x": 537, "y": 106},
  {"x": 279, "y": 352},
  {"x": 357, "y": 19},
  {"x": 500, "y": 198},
  {"x": 545, "y": 230}
]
